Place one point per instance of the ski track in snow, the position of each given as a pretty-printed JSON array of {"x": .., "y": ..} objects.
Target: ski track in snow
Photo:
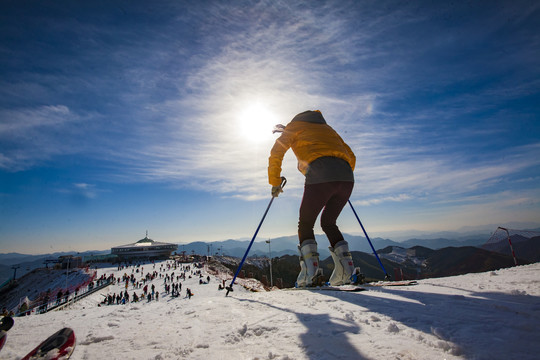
[{"x": 492, "y": 315}]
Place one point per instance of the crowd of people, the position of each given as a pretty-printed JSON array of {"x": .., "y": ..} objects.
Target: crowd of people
[{"x": 138, "y": 284}]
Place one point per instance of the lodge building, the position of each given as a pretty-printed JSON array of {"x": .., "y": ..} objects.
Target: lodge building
[{"x": 144, "y": 249}]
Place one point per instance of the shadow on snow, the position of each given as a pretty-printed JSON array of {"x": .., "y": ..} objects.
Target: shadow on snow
[{"x": 325, "y": 337}]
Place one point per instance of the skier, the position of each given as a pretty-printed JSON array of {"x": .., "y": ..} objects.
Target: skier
[{"x": 327, "y": 163}]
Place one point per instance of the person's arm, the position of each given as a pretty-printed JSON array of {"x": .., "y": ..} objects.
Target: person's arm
[{"x": 282, "y": 144}]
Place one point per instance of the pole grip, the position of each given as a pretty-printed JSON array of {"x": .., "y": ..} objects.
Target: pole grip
[{"x": 283, "y": 182}]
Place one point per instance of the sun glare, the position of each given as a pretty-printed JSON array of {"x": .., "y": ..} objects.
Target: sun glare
[{"x": 256, "y": 122}]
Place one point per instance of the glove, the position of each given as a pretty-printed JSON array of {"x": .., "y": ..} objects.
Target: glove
[
  {"x": 278, "y": 128},
  {"x": 276, "y": 190}
]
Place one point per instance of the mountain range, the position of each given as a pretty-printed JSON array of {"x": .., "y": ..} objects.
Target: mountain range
[{"x": 287, "y": 245}]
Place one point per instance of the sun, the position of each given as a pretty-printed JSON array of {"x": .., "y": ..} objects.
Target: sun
[{"x": 256, "y": 122}]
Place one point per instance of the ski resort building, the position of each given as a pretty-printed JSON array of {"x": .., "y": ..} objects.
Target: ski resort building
[{"x": 144, "y": 249}]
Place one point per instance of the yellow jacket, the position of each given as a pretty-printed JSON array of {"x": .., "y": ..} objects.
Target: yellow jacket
[{"x": 309, "y": 141}]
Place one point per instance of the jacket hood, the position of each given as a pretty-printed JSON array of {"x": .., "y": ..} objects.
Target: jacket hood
[{"x": 310, "y": 116}]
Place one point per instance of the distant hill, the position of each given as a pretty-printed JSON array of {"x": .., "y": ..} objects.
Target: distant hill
[
  {"x": 457, "y": 261},
  {"x": 421, "y": 262},
  {"x": 525, "y": 248},
  {"x": 529, "y": 250},
  {"x": 439, "y": 243}
]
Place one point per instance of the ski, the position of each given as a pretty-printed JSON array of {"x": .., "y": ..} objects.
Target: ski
[
  {"x": 393, "y": 283},
  {"x": 58, "y": 346},
  {"x": 3, "y": 337},
  {"x": 347, "y": 288}
]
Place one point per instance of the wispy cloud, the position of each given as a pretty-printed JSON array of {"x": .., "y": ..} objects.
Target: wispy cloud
[
  {"x": 80, "y": 193},
  {"x": 86, "y": 190},
  {"x": 442, "y": 176},
  {"x": 376, "y": 201},
  {"x": 31, "y": 135}
]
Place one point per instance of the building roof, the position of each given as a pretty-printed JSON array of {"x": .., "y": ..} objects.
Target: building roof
[{"x": 146, "y": 243}]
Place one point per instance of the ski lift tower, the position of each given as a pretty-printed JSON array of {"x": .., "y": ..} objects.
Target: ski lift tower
[{"x": 15, "y": 267}]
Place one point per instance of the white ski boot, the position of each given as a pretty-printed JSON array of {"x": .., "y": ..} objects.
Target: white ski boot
[
  {"x": 309, "y": 264},
  {"x": 344, "y": 270}
]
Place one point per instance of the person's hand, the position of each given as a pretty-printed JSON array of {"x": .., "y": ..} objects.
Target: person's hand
[{"x": 276, "y": 190}]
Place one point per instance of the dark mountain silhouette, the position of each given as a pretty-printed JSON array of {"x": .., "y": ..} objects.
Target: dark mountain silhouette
[
  {"x": 457, "y": 261},
  {"x": 525, "y": 248}
]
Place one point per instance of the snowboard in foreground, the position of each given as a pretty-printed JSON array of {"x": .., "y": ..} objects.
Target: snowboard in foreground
[
  {"x": 5, "y": 324},
  {"x": 58, "y": 346}
]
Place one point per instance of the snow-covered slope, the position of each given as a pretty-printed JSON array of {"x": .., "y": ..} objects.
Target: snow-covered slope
[
  {"x": 401, "y": 255},
  {"x": 491, "y": 315}
]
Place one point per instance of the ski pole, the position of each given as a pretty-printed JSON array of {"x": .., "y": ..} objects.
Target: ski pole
[
  {"x": 386, "y": 276},
  {"x": 230, "y": 287}
]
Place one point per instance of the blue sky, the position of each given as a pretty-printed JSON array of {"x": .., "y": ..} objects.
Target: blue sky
[{"x": 118, "y": 117}]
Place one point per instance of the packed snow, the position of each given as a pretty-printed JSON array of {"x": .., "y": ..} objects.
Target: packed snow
[{"x": 493, "y": 315}]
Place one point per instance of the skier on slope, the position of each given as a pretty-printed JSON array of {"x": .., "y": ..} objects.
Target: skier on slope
[{"x": 327, "y": 163}]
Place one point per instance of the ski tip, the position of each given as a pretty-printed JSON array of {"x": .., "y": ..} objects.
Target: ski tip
[
  {"x": 60, "y": 345},
  {"x": 3, "y": 337}
]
